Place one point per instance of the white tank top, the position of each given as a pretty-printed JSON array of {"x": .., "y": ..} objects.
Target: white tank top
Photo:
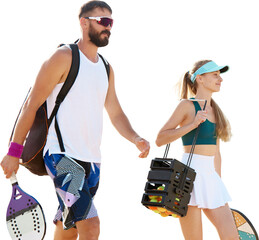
[{"x": 80, "y": 116}]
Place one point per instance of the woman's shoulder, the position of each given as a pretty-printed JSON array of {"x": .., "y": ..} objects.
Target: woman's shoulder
[
  {"x": 184, "y": 107},
  {"x": 185, "y": 104}
]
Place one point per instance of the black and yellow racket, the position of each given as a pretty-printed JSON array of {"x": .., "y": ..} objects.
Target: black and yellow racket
[{"x": 245, "y": 228}]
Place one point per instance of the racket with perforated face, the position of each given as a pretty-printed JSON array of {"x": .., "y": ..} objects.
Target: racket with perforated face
[
  {"x": 245, "y": 228},
  {"x": 25, "y": 218}
]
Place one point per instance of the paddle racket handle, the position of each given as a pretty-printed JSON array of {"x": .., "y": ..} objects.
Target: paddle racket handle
[{"x": 13, "y": 178}]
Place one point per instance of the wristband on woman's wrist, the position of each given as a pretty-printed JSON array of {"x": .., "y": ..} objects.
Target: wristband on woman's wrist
[{"x": 15, "y": 150}]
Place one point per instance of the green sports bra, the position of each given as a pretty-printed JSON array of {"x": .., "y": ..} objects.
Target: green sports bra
[{"x": 207, "y": 134}]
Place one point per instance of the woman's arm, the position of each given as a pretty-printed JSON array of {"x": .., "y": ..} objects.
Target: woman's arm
[{"x": 180, "y": 117}]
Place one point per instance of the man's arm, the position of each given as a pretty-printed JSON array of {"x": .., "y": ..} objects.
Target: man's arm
[
  {"x": 120, "y": 120},
  {"x": 52, "y": 72}
]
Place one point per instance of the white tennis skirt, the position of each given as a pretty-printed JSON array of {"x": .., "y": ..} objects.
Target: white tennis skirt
[{"x": 209, "y": 190}]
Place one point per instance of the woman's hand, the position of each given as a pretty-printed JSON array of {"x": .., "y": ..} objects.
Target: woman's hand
[{"x": 200, "y": 117}]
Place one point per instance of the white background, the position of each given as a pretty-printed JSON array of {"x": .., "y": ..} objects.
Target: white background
[{"x": 152, "y": 44}]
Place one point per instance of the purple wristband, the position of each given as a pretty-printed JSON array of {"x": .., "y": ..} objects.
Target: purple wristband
[{"x": 15, "y": 150}]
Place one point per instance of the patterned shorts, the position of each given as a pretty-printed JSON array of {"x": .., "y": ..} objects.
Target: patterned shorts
[{"x": 76, "y": 183}]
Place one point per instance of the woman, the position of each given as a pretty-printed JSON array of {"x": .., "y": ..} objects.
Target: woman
[{"x": 209, "y": 193}]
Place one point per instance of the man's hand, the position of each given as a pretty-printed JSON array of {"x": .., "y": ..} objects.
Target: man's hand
[
  {"x": 10, "y": 164},
  {"x": 143, "y": 146}
]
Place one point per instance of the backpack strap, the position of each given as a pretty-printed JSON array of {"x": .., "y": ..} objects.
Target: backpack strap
[
  {"x": 71, "y": 77},
  {"x": 106, "y": 64}
]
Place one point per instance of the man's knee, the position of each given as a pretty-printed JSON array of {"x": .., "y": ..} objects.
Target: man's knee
[
  {"x": 89, "y": 229},
  {"x": 61, "y": 234},
  {"x": 94, "y": 231}
]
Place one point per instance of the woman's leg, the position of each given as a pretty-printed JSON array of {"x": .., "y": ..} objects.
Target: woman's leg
[
  {"x": 223, "y": 220},
  {"x": 191, "y": 224}
]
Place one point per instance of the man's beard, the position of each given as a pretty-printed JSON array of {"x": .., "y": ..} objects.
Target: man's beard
[{"x": 96, "y": 38}]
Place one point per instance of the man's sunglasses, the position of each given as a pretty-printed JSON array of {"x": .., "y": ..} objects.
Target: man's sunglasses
[{"x": 104, "y": 21}]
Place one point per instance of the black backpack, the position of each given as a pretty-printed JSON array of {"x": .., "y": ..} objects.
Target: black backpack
[{"x": 32, "y": 155}]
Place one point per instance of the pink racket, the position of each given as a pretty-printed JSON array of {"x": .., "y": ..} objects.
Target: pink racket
[{"x": 25, "y": 218}]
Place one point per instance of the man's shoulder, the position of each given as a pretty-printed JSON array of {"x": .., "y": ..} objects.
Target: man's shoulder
[
  {"x": 63, "y": 52},
  {"x": 61, "y": 56}
]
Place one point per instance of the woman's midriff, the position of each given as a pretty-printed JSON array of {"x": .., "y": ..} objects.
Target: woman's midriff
[{"x": 207, "y": 150}]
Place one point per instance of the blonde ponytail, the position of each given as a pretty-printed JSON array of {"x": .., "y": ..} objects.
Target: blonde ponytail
[{"x": 223, "y": 128}]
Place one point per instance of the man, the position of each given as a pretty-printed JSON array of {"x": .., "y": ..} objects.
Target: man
[{"x": 80, "y": 122}]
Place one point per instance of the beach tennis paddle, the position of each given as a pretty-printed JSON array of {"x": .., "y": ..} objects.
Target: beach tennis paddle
[
  {"x": 25, "y": 218},
  {"x": 245, "y": 228}
]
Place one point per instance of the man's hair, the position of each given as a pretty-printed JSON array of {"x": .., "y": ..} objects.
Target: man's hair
[{"x": 91, "y": 5}]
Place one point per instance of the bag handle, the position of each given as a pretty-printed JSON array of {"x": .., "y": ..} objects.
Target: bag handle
[
  {"x": 193, "y": 142},
  {"x": 195, "y": 139}
]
